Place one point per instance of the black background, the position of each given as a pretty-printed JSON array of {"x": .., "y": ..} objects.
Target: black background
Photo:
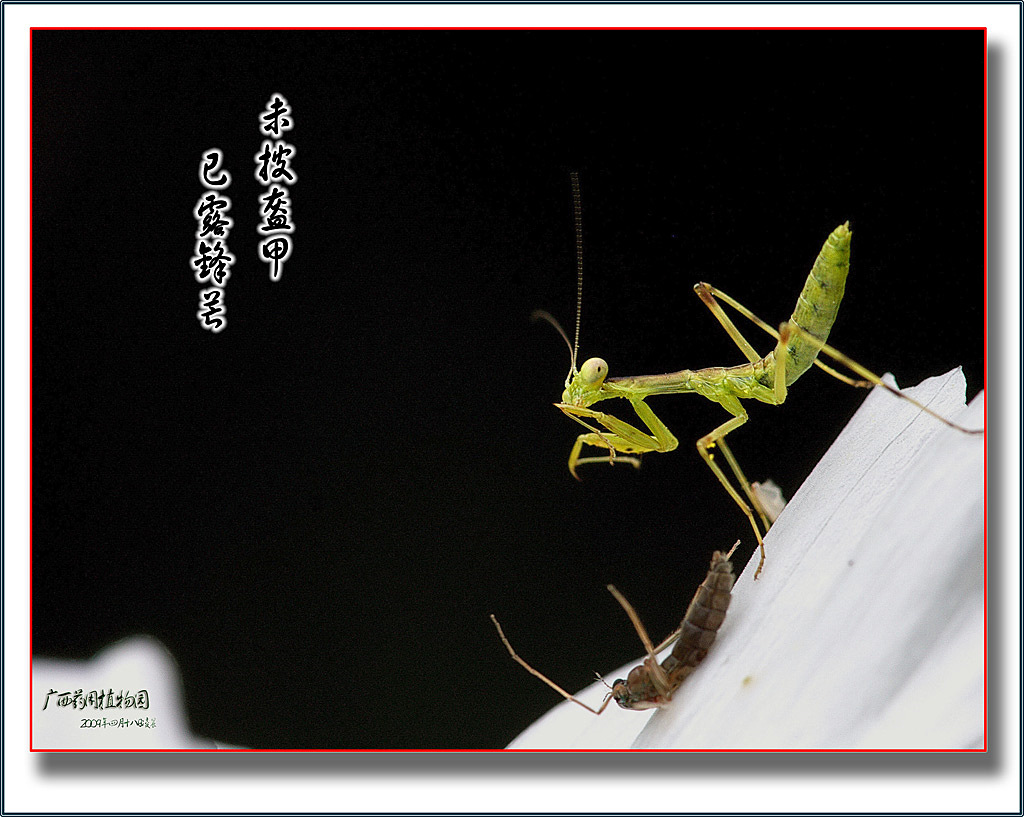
[{"x": 316, "y": 509}]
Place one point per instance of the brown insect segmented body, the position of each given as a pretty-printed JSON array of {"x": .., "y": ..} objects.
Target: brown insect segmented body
[{"x": 649, "y": 685}]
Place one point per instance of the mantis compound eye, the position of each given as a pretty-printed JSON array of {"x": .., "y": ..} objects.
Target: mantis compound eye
[{"x": 594, "y": 372}]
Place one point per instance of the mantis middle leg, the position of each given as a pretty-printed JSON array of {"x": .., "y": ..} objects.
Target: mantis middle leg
[
  {"x": 631, "y": 440},
  {"x": 707, "y": 295},
  {"x": 717, "y": 437}
]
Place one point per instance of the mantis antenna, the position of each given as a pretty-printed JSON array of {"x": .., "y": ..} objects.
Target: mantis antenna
[
  {"x": 577, "y": 213},
  {"x": 541, "y": 314}
]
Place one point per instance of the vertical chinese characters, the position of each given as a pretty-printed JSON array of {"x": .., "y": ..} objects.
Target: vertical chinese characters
[
  {"x": 212, "y": 260},
  {"x": 274, "y": 172}
]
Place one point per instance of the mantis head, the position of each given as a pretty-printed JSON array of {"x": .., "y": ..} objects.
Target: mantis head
[
  {"x": 584, "y": 383},
  {"x": 581, "y": 383}
]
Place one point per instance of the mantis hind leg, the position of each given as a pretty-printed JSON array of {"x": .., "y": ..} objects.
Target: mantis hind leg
[{"x": 869, "y": 378}]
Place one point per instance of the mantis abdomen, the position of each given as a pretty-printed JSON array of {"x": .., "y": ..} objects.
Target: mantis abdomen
[{"x": 816, "y": 308}]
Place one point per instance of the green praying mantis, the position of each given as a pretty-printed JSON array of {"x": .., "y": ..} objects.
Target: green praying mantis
[{"x": 766, "y": 378}]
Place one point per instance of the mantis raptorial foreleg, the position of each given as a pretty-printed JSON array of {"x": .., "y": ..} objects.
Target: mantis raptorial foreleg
[
  {"x": 597, "y": 439},
  {"x": 623, "y": 437},
  {"x": 610, "y": 441}
]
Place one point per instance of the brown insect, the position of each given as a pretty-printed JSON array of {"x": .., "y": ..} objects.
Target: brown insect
[{"x": 651, "y": 684}]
